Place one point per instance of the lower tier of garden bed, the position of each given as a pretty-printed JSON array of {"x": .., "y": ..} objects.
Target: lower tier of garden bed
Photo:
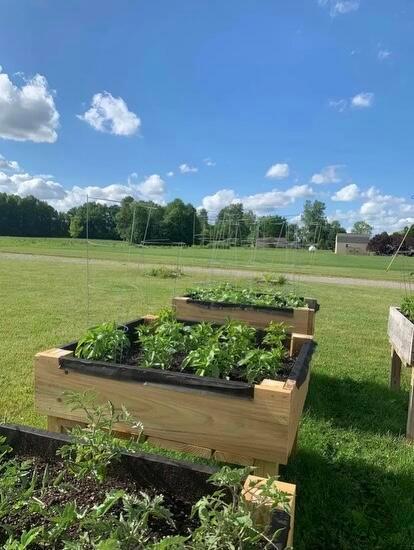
[
  {"x": 180, "y": 483},
  {"x": 231, "y": 421}
]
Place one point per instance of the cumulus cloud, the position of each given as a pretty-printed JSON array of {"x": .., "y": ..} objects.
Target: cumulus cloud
[
  {"x": 339, "y": 7},
  {"x": 170, "y": 174},
  {"x": 278, "y": 171},
  {"x": 348, "y": 193},
  {"x": 260, "y": 202},
  {"x": 363, "y": 100},
  {"x": 329, "y": 174},
  {"x": 384, "y": 212},
  {"x": 11, "y": 165},
  {"x": 187, "y": 169},
  {"x": 28, "y": 112},
  {"x": 110, "y": 114},
  {"x": 44, "y": 187},
  {"x": 26, "y": 184}
]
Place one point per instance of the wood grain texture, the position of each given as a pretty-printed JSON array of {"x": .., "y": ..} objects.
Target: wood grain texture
[
  {"x": 300, "y": 320},
  {"x": 401, "y": 335},
  {"x": 178, "y": 446},
  {"x": 256, "y": 428},
  {"x": 395, "y": 372}
]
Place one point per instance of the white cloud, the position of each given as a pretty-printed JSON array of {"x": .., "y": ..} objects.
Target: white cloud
[
  {"x": 363, "y": 100},
  {"x": 152, "y": 188},
  {"x": 329, "y": 174},
  {"x": 278, "y": 171},
  {"x": 340, "y": 7},
  {"x": 27, "y": 113},
  {"x": 339, "y": 105},
  {"x": 11, "y": 165},
  {"x": 25, "y": 184},
  {"x": 209, "y": 162},
  {"x": 186, "y": 168},
  {"x": 260, "y": 202},
  {"x": 170, "y": 174},
  {"x": 44, "y": 187},
  {"x": 383, "y": 54},
  {"x": 220, "y": 199},
  {"x": 348, "y": 193},
  {"x": 110, "y": 114}
]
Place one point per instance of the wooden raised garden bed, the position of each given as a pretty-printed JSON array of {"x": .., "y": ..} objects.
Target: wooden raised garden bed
[
  {"x": 401, "y": 337},
  {"x": 181, "y": 483},
  {"x": 231, "y": 421},
  {"x": 299, "y": 320}
]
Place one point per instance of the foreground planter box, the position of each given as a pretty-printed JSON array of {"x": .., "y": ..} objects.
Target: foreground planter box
[
  {"x": 401, "y": 336},
  {"x": 185, "y": 480},
  {"x": 299, "y": 320},
  {"x": 230, "y": 421}
]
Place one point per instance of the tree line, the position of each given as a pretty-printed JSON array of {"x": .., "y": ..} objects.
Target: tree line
[{"x": 176, "y": 222}]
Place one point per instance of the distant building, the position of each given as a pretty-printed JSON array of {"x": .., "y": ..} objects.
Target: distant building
[
  {"x": 351, "y": 243},
  {"x": 272, "y": 242}
]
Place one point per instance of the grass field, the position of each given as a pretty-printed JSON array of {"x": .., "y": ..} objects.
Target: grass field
[
  {"x": 354, "y": 469},
  {"x": 283, "y": 261}
]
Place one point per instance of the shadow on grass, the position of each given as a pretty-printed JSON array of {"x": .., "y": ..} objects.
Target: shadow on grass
[
  {"x": 363, "y": 405},
  {"x": 348, "y": 504}
]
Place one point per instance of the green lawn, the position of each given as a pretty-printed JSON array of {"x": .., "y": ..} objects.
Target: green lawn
[
  {"x": 354, "y": 469},
  {"x": 282, "y": 261}
]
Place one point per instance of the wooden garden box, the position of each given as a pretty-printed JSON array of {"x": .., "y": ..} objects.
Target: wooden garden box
[
  {"x": 401, "y": 337},
  {"x": 183, "y": 479},
  {"x": 299, "y": 320},
  {"x": 230, "y": 421}
]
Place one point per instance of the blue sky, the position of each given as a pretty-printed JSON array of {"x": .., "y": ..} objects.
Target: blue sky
[{"x": 266, "y": 101}]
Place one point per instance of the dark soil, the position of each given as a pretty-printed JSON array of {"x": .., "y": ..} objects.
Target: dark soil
[
  {"x": 135, "y": 355},
  {"x": 86, "y": 493}
]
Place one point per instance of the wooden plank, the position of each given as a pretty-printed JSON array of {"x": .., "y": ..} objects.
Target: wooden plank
[
  {"x": 401, "y": 335},
  {"x": 252, "y": 495},
  {"x": 115, "y": 371},
  {"x": 410, "y": 417},
  {"x": 222, "y": 456},
  {"x": 297, "y": 402},
  {"x": 178, "y": 446},
  {"x": 296, "y": 342},
  {"x": 298, "y": 320},
  {"x": 264, "y": 468},
  {"x": 250, "y": 428},
  {"x": 395, "y": 372}
]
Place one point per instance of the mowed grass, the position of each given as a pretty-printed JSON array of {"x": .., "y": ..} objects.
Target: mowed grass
[
  {"x": 354, "y": 469},
  {"x": 277, "y": 260}
]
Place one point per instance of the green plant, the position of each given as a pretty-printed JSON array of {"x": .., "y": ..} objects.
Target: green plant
[
  {"x": 104, "y": 342},
  {"x": 407, "y": 307},
  {"x": 228, "y": 524},
  {"x": 165, "y": 272},
  {"x": 272, "y": 279},
  {"x": 95, "y": 446},
  {"x": 230, "y": 293}
]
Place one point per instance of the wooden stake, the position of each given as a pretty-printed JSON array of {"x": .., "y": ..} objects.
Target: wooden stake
[
  {"x": 410, "y": 418},
  {"x": 395, "y": 374}
]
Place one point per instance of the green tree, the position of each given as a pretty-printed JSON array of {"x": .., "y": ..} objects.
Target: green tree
[
  {"x": 180, "y": 222},
  {"x": 233, "y": 224},
  {"x": 98, "y": 220},
  {"x": 272, "y": 226},
  {"x": 76, "y": 227},
  {"x": 314, "y": 221},
  {"x": 362, "y": 228}
]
